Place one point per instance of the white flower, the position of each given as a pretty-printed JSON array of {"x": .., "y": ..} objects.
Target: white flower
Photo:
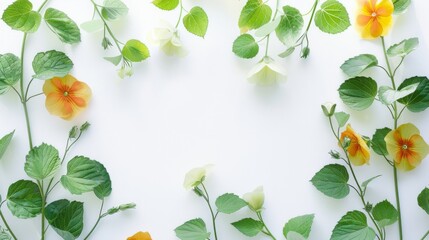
[
  {"x": 255, "y": 199},
  {"x": 125, "y": 71},
  {"x": 195, "y": 177},
  {"x": 267, "y": 72},
  {"x": 167, "y": 37}
]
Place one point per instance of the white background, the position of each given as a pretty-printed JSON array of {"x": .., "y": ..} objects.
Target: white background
[{"x": 175, "y": 114}]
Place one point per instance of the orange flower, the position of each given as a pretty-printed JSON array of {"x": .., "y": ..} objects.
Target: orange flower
[
  {"x": 66, "y": 97},
  {"x": 406, "y": 146},
  {"x": 358, "y": 149},
  {"x": 374, "y": 19},
  {"x": 140, "y": 236}
]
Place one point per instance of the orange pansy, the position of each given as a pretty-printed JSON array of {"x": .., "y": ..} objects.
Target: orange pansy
[
  {"x": 140, "y": 236},
  {"x": 406, "y": 146},
  {"x": 66, "y": 97},
  {"x": 374, "y": 18},
  {"x": 358, "y": 150}
]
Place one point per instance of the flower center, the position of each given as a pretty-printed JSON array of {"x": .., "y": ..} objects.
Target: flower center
[
  {"x": 405, "y": 147},
  {"x": 374, "y": 14},
  {"x": 66, "y": 94}
]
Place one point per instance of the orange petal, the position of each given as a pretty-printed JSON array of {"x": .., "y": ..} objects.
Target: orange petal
[
  {"x": 376, "y": 29},
  {"x": 363, "y": 20},
  {"x": 140, "y": 236}
]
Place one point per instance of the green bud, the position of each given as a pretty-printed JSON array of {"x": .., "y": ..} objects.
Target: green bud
[
  {"x": 329, "y": 109},
  {"x": 84, "y": 126},
  {"x": 305, "y": 52},
  {"x": 346, "y": 142},
  {"x": 73, "y": 132},
  {"x": 112, "y": 210},
  {"x": 127, "y": 206},
  {"x": 198, "y": 191},
  {"x": 368, "y": 207},
  {"x": 334, "y": 154},
  {"x": 106, "y": 43}
]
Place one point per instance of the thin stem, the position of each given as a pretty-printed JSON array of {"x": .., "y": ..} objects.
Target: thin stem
[
  {"x": 400, "y": 63},
  {"x": 28, "y": 88},
  {"x": 35, "y": 95},
  {"x": 100, "y": 216},
  {"x": 424, "y": 236},
  {"x": 267, "y": 231},
  {"x": 24, "y": 103},
  {"x": 312, "y": 15},
  {"x": 17, "y": 93},
  {"x": 268, "y": 36},
  {"x": 267, "y": 45},
  {"x": 7, "y": 225},
  {"x": 207, "y": 198},
  {"x": 180, "y": 14}
]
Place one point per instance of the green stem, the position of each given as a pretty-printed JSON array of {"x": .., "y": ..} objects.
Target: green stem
[
  {"x": 312, "y": 15},
  {"x": 97, "y": 222},
  {"x": 395, "y": 125},
  {"x": 7, "y": 225},
  {"x": 180, "y": 14},
  {"x": 267, "y": 231},
  {"x": 207, "y": 198},
  {"x": 424, "y": 236},
  {"x": 268, "y": 36},
  {"x": 23, "y": 100}
]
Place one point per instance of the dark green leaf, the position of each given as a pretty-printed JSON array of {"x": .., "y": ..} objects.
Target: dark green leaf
[
  {"x": 419, "y": 100},
  {"x": 249, "y": 226},
  {"x": 135, "y": 51},
  {"x": 245, "y": 46},
  {"x": 423, "y": 200},
  {"x": 385, "y": 213},
  {"x": 66, "y": 218},
  {"x": 356, "y": 65},
  {"x": 332, "y": 180},
  {"x": 62, "y": 25},
  {"x": 358, "y": 93},
  {"x": 105, "y": 188},
  {"x": 42, "y": 162},
  {"x": 300, "y": 225},
  {"x": 10, "y": 71},
  {"x": 194, "y": 229},
  {"x": 377, "y": 143},
  {"x": 403, "y": 48},
  {"x": 332, "y": 17},
  {"x": 253, "y": 15},
  {"x": 400, "y": 5},
  {"x": 24, "y": 199},
  {"x": 229, "y": 203},
  {"x": 47, "y": 65},
  {"x": 166, "y": 4},
  {"x": 196, "y": 21},
  {"x": 354, "y": 226},
  {"x": 4, "y": 142},
  {"x": 113, "y": 9},
  {"x": 290, "y": 25},
  {"x": 20, "y": 16}
]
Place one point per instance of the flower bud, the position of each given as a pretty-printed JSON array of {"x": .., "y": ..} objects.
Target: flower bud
[
  {"x": 329, "y": 109},
  {"x": 255, "y": 199}
]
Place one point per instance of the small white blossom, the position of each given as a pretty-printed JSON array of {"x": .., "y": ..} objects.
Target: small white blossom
[
  {"x": 267, "y": 72},
  {"x": 167, "y": 37},
  {"x": 255, "y": 199},
  {"x": 195, "y": 177}
]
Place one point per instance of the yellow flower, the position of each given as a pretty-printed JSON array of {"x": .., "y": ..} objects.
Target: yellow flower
[
  {"x": 255, "y": 199},
  {"x": 140, "y": 236},
  {"x": 374, "y": 18},
  {"x": 406, "y": 146},
  {"x": 66, "y": 97},
  {"x": 358, "y": 150}
]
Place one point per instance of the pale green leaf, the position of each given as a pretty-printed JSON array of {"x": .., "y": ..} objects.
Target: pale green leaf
[
  {"x": 358, "y": 93},
  {"x": 167, "y": 5},
  {"x": 401, "y": 5},
  {"x": 93, "y": 25},
  {"x": 135, "y": 51},
  {"x": 268, "y": 28},
  {"x": 290, "y": 25},
  {"x": 114, "y": 60},
  {"x": 356, "y": 65},
  {"x": 249, "y": 226},
  {"x": 403, "y": 48},
  {"x": 253, "y": 15},
  {"x": 20, "y": 16},
  {"x": 10, "y": 71},
  {"x": 385, "y": 213},
  {"x": 62, "y": 25},
  {"x": 342, "y": 118},
  {"x": 388, "y": 96},
  {"x": 47, "y": 65},
  {"x": 229, "y": 203},
  {"x": 367, "y": 182},
  {"x": 113, "y": 9},
  {"x": 332, "y": 180},
  {"x": 354, "y": 226},
  {"x": 419, "y": 100},
  {"x": 245, "y": 46},
  {"x": 4, "y": 142},
  {"x": 196, "y": 21},
  {"x": 194, "y": 229},
  {"x": 66, "y": 218},
  {"x": 332, "y": 17},
  {"x": 298, "y": 226},
  {"x": 423, "y": 200},
  {"x": 287, "y": 52},
  {"x": 42, "y": 162},
  {"x": 24, "y": 199}
]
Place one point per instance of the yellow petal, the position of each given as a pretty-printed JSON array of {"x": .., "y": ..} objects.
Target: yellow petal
[{"x": 140, "y": 236}]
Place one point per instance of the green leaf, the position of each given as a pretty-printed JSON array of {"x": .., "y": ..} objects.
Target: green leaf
[
  {"x": 10, "y": 71},
  {"x": 268, "y": 28},
  {"x": 290, "y": 25},
  {"x": 423, "y": 200},
  {"x": 66, "y": 218},
  {"x": 62, "y": 25},
  {"x": 354, "y": 226},
  {"x": 229, "y": 203},
  {"x": 135, "y": 51},
  {"x": 47, "y": 65},
  {"x": 403, "y": 48},
  {"x": 249, "y": 226},
  {"x": 196, "y": 21},
  {"x": 20, "y": 16},
  {"x": 342, "y": 118},
  {"x": 332, "y": 17},
  {"x": 24, "y": 199},
  {"x": 287, "y": 52},
  {"x": 4, "y": 142},
  {"x": 388, "y": 96},
  {"x": 253, "y": 15},
  {"x": 298, "y": 225},
  {"x": 332, "y": 180},
  {"x": 167, "y": 5},
  {"x": 93, "y": 25},
  {"x": 245, "y": 46},
  {"x": 358, "y": 93},
  {"x": 42, "y": 162},
  {"x": 401, "y": 5},
  {"x": 385, "y": 213},
  {"x": 105, "y": 188},
  {"x": 194, "y": 229},
  {"x": 377, "y": 143},
  {"x": 83, "y": 175},
  {"x": 356, "y": 65},
  {"x": 114, "y": 60},
  {"x": 419, "y": 100},
  {"x": 367, "y": 182},
  {"x": 113, "y": 9}
]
